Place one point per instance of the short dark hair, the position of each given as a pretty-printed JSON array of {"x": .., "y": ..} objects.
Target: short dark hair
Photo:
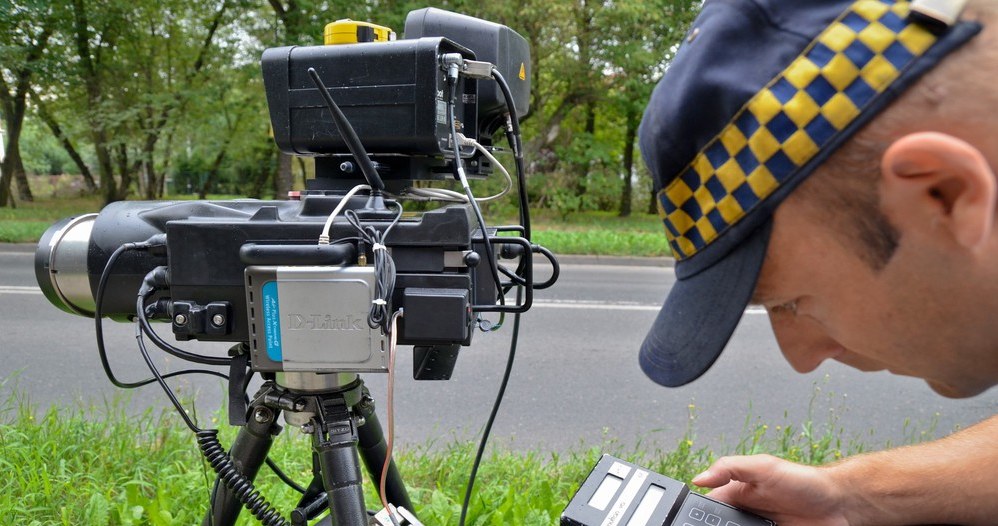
[
  {"x": 845, "y": 194},
  {"x": 845, "y": 190}
]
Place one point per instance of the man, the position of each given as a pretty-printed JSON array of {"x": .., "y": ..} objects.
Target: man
[{"x": 835, "y": 161}]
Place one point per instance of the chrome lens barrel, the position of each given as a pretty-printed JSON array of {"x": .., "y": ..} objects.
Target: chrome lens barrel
[{"x": 61, "y": 264}]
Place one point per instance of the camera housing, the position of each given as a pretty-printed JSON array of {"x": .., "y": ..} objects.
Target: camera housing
[
  {"x": 251, "y": 271},
  {"x": 395, "y": 96}
]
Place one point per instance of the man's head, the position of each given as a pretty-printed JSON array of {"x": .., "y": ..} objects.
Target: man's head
[
  {"x": 850, "y": 273},
  {"x": 895, "y": 233}
]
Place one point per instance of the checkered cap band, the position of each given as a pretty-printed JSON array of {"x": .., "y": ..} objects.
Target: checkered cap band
[{"x": 790, "y": 121}]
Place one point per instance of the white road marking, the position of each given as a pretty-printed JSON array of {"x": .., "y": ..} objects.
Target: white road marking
[
  {"x": 611, "y": 305},
  {"x": 12, "y": 289},
  {"x": 544, "y": 304}
]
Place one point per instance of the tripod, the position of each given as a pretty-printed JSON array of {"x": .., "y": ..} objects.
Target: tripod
[{"x": 338, "y": 412}]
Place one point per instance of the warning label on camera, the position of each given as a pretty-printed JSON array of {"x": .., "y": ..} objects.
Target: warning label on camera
[{"x": 272, "y": 321}]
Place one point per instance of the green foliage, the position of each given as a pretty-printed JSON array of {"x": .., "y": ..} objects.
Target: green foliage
[
  {"x": 42, "y": 153},
  {"x": 593, "y": 233},
  {"x": 98, "y": 465},
  {"x": 148, "y": 90}
]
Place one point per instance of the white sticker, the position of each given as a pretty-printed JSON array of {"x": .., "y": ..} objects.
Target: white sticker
[
  {"x": 623, "y": 503},
  {"x": 620, "y": 470}
]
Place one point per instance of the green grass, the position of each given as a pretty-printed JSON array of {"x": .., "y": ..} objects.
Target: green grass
[
  {"x": 600, "y": 233},
  {"x": 592, "y": 233},
  {"x": 97, "y": 466},
  {"x": 27, "y": 222}
]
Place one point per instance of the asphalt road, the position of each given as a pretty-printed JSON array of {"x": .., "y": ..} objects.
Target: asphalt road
[{"x": 576, "y": 381}]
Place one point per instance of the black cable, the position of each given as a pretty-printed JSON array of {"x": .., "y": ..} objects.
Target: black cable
[
  {"x": 240, "y": 486},
  {"x": 99, "y": 319},
  {"x": 99, "y": 324},
  {"x": 495, "y": 411},
  {"x": 283, "y": 476},
  {"x": 139, "y": 310},
  {"x": 515, "y": 141},
  {"x": 513, "y": 136},
  {"x": 180, "y": 353},
  {"x": 384, "y": 268},
  {"x": 458, "y": 172},
  {"x": 207, "y": 439},
  {"x": 555, "y": 268}
]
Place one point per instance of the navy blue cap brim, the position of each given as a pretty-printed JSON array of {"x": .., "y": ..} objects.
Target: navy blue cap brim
[{"x": 701, "y": 312}]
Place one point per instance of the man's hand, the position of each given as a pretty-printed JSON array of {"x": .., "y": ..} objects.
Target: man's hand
[
  {"x": 787, "y": 493},
  {"x": 948, "y": 481}
]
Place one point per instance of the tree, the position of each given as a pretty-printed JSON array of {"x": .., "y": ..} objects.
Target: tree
[
  {"x": 25, "y": 30},
  {"x": 41, "y": 108},
  {"x": 139, "y": 64},
  {"x": 645, "y": 36}
]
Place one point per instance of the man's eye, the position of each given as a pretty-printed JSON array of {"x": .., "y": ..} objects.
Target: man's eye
[{"x": 789, "y": 307}]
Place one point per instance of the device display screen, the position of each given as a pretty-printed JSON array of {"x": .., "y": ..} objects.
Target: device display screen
[
  {"x": 648, "y": 505},
  {"x": 606, "y": 490}
]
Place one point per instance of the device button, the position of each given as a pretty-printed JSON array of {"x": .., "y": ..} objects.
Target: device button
[
  {"x": 696, "y": 514},
  {"x": 713, "y": 520},
  {"x": 732, "y": 523}
]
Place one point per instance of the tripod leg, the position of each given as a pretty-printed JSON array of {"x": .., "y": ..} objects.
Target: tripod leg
[
  {"x": 248, "y": 453},
  {"x": 334, "y": 442},
  {"x": 373, "y": 450}
]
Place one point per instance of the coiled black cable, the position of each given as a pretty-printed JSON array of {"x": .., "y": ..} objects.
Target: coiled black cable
[
  {"x": 239, "y": 484},
  {"x": 207, "y": 439}
]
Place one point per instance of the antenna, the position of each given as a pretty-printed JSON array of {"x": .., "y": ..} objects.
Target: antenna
[{"x": 349, "y": 135}]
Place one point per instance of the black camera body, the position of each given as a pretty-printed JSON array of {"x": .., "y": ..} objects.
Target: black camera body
[
  {"x": 395, "y": 96},
  {"x": 252, "y": 271}
]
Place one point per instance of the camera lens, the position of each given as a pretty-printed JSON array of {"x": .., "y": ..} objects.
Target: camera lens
[{"x": 61, "y": 264}]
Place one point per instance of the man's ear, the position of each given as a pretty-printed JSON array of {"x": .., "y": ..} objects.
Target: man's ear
[{"x": 937, "y": 181}]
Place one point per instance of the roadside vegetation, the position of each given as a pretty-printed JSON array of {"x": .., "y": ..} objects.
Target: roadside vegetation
[
  {"x": 146, "y": 98},
  {"x": 592, "y": 233},
  {"x": 99, "y": 466}
]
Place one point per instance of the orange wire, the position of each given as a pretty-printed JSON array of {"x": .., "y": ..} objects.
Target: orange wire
[{"x": 391, "y": 411}]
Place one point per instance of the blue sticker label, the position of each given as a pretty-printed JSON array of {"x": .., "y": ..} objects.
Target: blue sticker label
[{"x": 272, "y": 321}]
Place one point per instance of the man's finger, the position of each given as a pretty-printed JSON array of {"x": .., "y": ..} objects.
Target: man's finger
[{"x": 751, "y": 469}]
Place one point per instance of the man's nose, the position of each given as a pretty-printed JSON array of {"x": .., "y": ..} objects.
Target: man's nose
[{"x": 803, "y": 341}]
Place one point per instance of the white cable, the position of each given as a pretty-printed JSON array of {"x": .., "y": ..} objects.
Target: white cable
[
  {"x": 509, "y": 180},
  {"x": 324, "y": 236},
  {"x": 443, "y": 194},
  {"x": 438, "y": 194}
]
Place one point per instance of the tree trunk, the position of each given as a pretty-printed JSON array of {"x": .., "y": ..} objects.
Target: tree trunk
[
  {"x": 212, "y": 178},
  {"x": 12, "y": 158},
  {"x": 108, "y": 186},
  {"x": 6, "y": 174},
  {"x": 582, "y": 183},
  {"x": 21, "y": 177},
  {"x": 88, "y": 177},
  {"x": 282, "y": 182},
  {"x": 148, "y": 172},
  {"x": 12, "y": 168},
  {"x": 628, "y": 184},
  {"x": 126, "y": 172},
  {"x": 14, "y": 103},
  {"x": 304, "y": 171},
  {"x": 262, "y": 175}
]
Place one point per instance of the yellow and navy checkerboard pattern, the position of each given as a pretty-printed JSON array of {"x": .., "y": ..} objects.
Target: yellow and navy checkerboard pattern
[{"x": 790, "y": 120}]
